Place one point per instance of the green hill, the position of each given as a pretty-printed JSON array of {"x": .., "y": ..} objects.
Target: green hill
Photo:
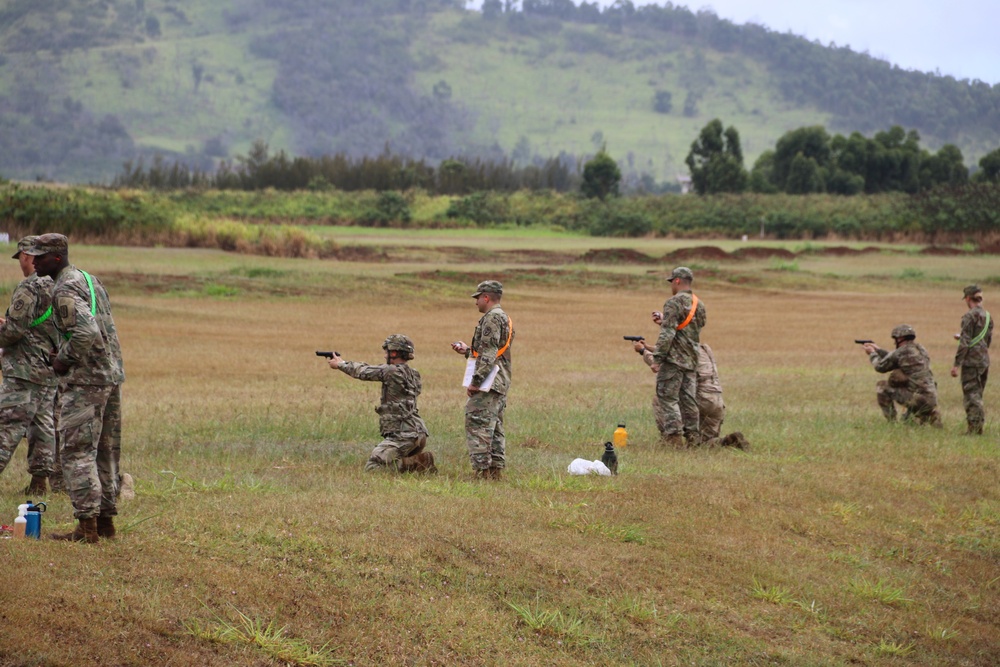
[{"x": 87, "y": 84}]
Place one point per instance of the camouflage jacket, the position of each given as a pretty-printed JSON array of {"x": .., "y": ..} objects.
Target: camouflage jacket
[
  {"x": 490, "y": 337},
  {"x": 680, "y": 348},
  {"x": 397, "y": 413},
  {"x": 912, "y": 360},
  {"x": 29, "y": 334},
  {"x": 978, "y": 355},
  {"x": 707, "y": 372},
  {"x": 88, "y": 337}
]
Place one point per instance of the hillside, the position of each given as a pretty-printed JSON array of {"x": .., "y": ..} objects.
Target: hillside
[{"x": 86, "y": 84}]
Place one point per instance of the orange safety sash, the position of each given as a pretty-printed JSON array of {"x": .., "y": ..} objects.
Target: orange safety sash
[
  {"x": 510, "y": 334},
  {"x": 694, "y": 307}
]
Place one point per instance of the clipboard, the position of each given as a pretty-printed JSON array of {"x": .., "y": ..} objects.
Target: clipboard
[{"x": 470, "y": 370}]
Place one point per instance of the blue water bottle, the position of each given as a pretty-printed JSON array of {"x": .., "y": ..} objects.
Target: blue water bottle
[{"x": 34, "y": 517}]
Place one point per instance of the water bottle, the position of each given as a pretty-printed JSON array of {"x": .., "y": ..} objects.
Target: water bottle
[
  {"x": 620, "y": 437},
  {"x": 21, "y": 522},
  {"x": 33, "y": 527}
]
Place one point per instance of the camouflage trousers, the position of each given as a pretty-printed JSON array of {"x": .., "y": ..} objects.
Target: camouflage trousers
[
  {"x": 676, "y": 394},
  {"x": 973, "y": 384},
  {"x": 921, "y": 407},
  {"x": 27, "y": 409},
  {"x": 711, "y": 414},
  {"x": 90, "y": 429},
  {"x": 393, "y": 448},
  {"x": 484, "y": 436}
]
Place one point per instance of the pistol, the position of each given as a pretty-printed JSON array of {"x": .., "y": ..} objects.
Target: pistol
[
  {"x": 328, "y": 355},
  {"x": 856, "y": 340},
  {"x": 634, "y": 338}
]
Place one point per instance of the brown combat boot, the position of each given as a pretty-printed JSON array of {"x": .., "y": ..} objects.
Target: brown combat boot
[
  {"x": 495, "y": 474},
  {"x": 673, "y": 441},
  {"x": 56, "y": 483},
  {"x": 420, "y": 463},
  {"x": 737, "y": 440},
  {"x": 38, "y": 486},
  {"x": 86, "y": 531},
  {"x": 106, "y": 527}
]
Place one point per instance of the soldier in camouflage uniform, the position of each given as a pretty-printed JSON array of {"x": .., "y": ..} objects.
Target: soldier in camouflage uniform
[
  {"x": 403, "y": 431},
  {"x": 28, "y": 393},
  {"x": 972, "y": 359},
  {"x": 89, "y": 363},
  {"x": 910, "y": 383},
  {"x": 711, "y": 409},
  {"x": 484, "y": 411},
  {"x": 676, "y": 354}
]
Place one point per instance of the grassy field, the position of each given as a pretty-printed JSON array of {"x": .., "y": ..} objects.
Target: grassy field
[{"x": 256, "y": 539}]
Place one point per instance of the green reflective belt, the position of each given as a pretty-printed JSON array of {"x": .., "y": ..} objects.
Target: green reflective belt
[
  {"x": 41, "y": 318},
  {"x": 93, "y": 300},
  {"x": 982, "y": 334}
]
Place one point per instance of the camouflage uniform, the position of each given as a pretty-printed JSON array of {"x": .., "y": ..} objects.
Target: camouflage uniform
[
  {"x": 89, "y": 406},
  {"x": 403, "y": 431},
  {"x": 677, "y": 355},
  {"x": 27, "y": 395},
  {"x": 910, "y": 383},
  {"x": 711, "y": 409},
  {"x": 974, "y": 362},
  {"x": 484, "y": 411}
]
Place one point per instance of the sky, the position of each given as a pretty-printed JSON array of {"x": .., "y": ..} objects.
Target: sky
[{"x": 960, "y": 38}]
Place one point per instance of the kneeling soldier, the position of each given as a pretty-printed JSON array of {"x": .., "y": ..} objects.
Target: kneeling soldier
[
  {"x": 911, "y": 382},
  {"x": 404, "y": 432}
]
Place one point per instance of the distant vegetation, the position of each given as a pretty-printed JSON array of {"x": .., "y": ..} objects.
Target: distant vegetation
[{"x": 88, "y": 84}]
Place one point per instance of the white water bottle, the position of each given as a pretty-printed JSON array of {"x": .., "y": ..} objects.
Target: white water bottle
[{"x": 21, "y": 522}]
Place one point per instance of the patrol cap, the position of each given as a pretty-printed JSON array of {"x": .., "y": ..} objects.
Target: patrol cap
[
  {"x": 682, "y": 272},
  {"x": 488, "y": 287},
  {"x": 971, "y": 290},
  {"x": 47, "y": 243},
  {"x": 23, "y": 245}
]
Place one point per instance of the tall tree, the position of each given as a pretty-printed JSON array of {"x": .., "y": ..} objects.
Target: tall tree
[
  {"x": 716, "y": 160},
  {"x": 601, "y": 176}
]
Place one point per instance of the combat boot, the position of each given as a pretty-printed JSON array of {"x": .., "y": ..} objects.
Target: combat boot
[
  {"x": 420, "y": 463},
  {"x": 106, "y": 527},
  {"x": 736, "y": 440},
  {"x": 85, "y": 531},
  {"x": 673, "y": 441},
  {"x": 495, "y": 474},
  {"x": 38, "y": 486},
  {"x": 56, "y": 484}
]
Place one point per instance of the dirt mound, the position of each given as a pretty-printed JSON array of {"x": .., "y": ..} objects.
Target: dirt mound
[
  {"x": 706, "y": 252},
  {"x": 616, "y": 256},
  {"x": 942, "y": 251},
  {"x": 990, "y": 249},
  {"x": 763, "y": 253}
]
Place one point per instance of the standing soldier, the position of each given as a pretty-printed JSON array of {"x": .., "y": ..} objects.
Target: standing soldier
[
  {"x": 89, "y": 363},
  {"x": 911, "y": 382},
  {"x": 403, "y": 431},
  {"x": 973, "y": 357},
  {"x": 489, "y": 361},
  {"x": 677, "y": 355},
  {"x": 28, "y": 392}
]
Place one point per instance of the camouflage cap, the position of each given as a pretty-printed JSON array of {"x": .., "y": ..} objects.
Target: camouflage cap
[
  {"x": 47, "y": 243},
  {"x": 23, "y": 245},
  {"x": 682, "y": 272},
  {"x": 488, "y": 287},
  {"x": 971, "y": 290}
]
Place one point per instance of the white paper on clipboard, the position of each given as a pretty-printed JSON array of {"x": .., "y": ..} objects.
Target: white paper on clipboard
[{"x": 470, "y": 370}]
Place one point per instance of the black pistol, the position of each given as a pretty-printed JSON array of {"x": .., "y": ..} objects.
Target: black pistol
[
  {"x": 328, "y": 355},
  {"x": 634, "y": 338},
  {"x": 856, "y": 340}
]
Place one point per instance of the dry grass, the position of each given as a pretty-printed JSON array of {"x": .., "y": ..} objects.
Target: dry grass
[{"x": 837, "y": 540}]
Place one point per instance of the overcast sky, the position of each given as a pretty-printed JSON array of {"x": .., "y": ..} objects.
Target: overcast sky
[{"x": 960, "y": 38}]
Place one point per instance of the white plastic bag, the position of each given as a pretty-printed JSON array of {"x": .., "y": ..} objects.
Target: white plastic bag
[{"x": 585, "y": 467}]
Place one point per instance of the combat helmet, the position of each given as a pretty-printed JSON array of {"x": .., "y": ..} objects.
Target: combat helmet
[
  {"x": 903, "y": 331},
  {"x": 399, "y": 343}
]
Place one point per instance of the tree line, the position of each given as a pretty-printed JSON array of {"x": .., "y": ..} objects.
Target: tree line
[{"x": 811, "y": 160}]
